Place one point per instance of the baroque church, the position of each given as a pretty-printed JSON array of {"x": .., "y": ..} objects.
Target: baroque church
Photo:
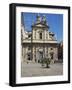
[{"x": 39, "y": 43}]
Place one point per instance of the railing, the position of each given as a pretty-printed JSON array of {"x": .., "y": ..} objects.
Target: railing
[
  {"x": 26, "y": 41},
  {"x": 38, "y": 41},
  {"x": 44, "y": 41}
]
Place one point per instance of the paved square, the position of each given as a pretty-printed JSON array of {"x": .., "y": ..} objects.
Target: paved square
[{"x": 35, "y": 69}]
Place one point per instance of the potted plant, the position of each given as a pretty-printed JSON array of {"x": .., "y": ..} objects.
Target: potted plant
[{"x": 46, "y": 61}]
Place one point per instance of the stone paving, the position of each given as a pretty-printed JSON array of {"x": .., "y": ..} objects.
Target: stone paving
[{"x": 35, "y": 69}]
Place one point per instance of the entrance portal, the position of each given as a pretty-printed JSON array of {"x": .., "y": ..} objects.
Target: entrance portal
[{"x": 40, "y": 54}]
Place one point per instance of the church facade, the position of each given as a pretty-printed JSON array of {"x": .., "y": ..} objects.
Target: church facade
[{"x": 39, "y": 43}]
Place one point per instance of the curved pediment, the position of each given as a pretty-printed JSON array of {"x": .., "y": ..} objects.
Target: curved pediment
[{"x": 41, "y": 25}]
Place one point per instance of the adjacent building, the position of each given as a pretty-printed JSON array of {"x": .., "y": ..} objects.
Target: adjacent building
[{"x": 60, "y": 51}]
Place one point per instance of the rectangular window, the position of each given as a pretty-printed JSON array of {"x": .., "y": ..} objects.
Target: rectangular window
[{"x": 40, "y": 34}]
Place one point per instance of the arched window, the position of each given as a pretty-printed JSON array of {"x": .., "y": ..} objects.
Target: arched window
[
  {"x": 29, "y": 56},
  {"x": 40, "y": 35}
]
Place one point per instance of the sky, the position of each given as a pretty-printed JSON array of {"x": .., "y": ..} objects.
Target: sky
[{"x": 55, "y": 22}]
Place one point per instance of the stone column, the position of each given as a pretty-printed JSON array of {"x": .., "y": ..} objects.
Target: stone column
[
  {"x": 45, "y": 51},
  {"x": 45, "y": 34},
  {"x": 48, "y": 52},
  {"x": 37, "y": 54},
  {"x": 33, "y": 54},
  {"x": 24, "y": 54}
]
